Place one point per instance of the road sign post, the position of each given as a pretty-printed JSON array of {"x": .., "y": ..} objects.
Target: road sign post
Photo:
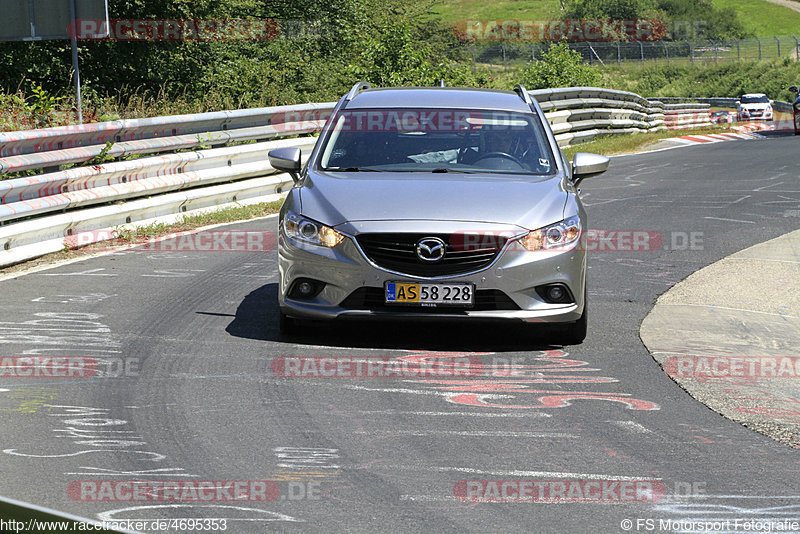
[{"x": 40, "y": 20}]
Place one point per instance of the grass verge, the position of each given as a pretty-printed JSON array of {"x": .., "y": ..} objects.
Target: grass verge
[
  {"x": 141, "y": 234},
  {"x": 616, "y": 144}
]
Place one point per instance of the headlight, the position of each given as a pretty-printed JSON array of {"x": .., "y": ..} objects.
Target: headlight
[
  {"x": 797, "y": 106},
  {"x": 558, "y": 235},
  {"x": 309, "y": 231}
]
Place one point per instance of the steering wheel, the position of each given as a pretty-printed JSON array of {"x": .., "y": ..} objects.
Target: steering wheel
[{"x": 499, "y": 155}]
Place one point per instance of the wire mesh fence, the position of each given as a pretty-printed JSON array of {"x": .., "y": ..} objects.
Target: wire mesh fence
[{"x": 514, "y": 54}]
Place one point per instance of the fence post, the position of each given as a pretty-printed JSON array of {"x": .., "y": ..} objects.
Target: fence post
[
  {"x": 759, "y": 47},
  {"x": 504, "y": 56},
  {"x": 619, "y": 54},
  {"x": 533, "y": 52},
  {"x": 691, "y": 52},
  {"x": 796, "y": 48},
  {"x": 666, "y": 50},
  {"x": 779, "y": 46},
  {"x": 738, "y": 50},
  {"x": 641, "y": 51},
  {"x": 716, "y": 51}
]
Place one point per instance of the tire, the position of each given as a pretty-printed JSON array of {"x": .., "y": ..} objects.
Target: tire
[
  {"x": 288, "y": 326},
  {"x": 574, "y": 333}
]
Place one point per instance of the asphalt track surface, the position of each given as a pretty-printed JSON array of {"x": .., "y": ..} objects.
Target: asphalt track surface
[{"x": 201, "y": 403}]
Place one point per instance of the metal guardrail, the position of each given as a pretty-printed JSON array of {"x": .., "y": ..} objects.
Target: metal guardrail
[
  {"x": 23, "y": 517},
  {"x": 48, "y": 147},
  {"x": 181, "y": 182}
]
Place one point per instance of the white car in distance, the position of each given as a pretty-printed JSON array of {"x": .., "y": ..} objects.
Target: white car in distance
[{"x": 754, "y": 106}]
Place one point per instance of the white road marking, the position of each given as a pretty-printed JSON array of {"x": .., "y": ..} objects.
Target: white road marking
[
  {"x": 632, "y": 426},
  {"x": 463, "y": 414},
  {"x": 729, "y": 220},
  {"x": 761, "y": 259},
  {"x": 88, "y": 272},
  {"x": 731, "y": 309},
  {"x": 429, "y": 498},
  {"x": 473, "y": 433},
  {"x": 525, "y": 473},
  {"x": 109, "y": 515},
  {"x": 155, "y": 457},
  {"x": 405, "y": 390},
  {"x": 162, "y": 472}
]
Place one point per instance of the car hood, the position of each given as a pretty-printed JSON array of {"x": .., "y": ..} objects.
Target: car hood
[
  {"x": 749, "y": 107},
  {"x": 338, "y": 198}
]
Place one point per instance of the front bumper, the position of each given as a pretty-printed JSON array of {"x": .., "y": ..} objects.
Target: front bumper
[{"x": 513, "y": 276}]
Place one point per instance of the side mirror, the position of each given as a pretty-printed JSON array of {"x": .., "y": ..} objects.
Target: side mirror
[
  {"x": 793, "y": 89},
  {"x": 585, "y": 165},
  {"x": 286, "y": 160}
]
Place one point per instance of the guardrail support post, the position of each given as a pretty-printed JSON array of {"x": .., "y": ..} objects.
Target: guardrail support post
[
  {"x": 75, "y": 67},
  {"x": 779, "y": 46}
]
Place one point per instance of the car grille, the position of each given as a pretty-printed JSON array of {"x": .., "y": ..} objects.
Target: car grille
[
  {"x": 372, "y": 298},
  {"x": 397, "y": 252}
]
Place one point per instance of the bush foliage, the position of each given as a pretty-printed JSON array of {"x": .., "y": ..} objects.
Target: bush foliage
[{"x": 386, "y": 42}]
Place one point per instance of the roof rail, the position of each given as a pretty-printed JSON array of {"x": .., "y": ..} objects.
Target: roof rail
[
  {"x": 357, "y": 88},
  {"x": 523, "y": 94}
]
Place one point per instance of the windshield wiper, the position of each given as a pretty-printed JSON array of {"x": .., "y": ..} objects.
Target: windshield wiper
[
  {"x": 356, "y": 169},
  {"x": 445, "y": 169}
]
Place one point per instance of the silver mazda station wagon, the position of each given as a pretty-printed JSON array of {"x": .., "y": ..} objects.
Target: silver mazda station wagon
[{"x": 435, "y": 203}]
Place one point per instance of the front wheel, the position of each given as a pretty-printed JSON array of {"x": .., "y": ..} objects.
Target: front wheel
[
  {"x": 288, "y": 326},
  {"x": 574, "y": 333}
]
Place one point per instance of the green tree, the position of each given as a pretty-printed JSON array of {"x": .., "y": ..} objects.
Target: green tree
[{"x": 559, "y": 67}]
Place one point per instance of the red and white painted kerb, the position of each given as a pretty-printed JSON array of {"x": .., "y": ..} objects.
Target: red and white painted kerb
[{"x": 716, "y": 138}]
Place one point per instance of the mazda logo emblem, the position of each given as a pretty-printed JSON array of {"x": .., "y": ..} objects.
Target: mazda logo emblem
[{"x": 430, "y": 249}]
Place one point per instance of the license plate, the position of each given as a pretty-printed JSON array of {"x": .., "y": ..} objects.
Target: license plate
[{"x": 431, "y": 295}]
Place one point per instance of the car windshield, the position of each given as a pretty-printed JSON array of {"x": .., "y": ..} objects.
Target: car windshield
[
  {"x": 755, "y": 100},
  {"x": 435, "y": 140}
]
